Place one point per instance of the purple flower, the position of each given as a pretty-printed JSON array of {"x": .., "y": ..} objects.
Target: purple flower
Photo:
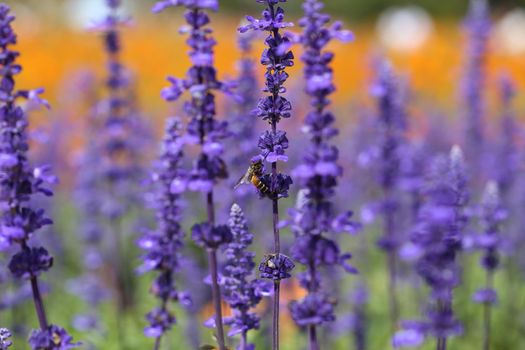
[
  {"x": 273, "y": 146},
  {"x": 492, "y": 215},
  {"x": 391, "y": 124},
  {"x": 121, "y": 131},
  {"x": 201, "y": 4},
  {"x": 314, "y": 310},
  {"x": 241, "y": 291},
  {"x": 211, "y": 237},
  {"x": 407, "y": 338},
  {"x": 121, "y": 134},
  {"x": 317, "y": 175},
  {"x": 5, "y": 343},
  {"x": 19, "y": 183},
  {"x": 273, "y": 107},
  {"x": 162, "y": 247},
  {"x": 160, "y": 321},
  {"x": 53, "y": 338},
  {"x": 438, "y": 236},
  {"x": 506, "y": 163},
  {"x": 478, "y": 27},
  {"x": 204, "y": 130},
  {"x": 241, "y": 147},
  {"x": 485, "y": 296},
  {"x": 30, "y": 262}
]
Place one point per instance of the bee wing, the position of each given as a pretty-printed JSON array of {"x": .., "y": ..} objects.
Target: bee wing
[{"x": 244, "y": 180}]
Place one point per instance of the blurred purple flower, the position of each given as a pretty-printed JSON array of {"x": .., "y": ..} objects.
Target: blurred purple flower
[
  {"x": 478, "y": 28},
  {"x": 318, "y": 175},
  {"x": 438, "y": 235},
  {"x": 53, "y": 338},
  {"x": 314, "y": 310},
  {"x": 162, "y": 247}
]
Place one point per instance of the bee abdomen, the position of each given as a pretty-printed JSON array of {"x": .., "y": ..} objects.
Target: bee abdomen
[{"x": 260, "y": 185}]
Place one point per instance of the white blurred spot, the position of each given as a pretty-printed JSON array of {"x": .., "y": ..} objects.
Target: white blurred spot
[
  {"x": 83, "y": 14},
  {"x": 404, "y": 28},
  {"x": 510, "y": 32}
]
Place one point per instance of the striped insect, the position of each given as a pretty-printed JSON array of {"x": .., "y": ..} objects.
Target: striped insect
[{"x": 253, "y": 176}]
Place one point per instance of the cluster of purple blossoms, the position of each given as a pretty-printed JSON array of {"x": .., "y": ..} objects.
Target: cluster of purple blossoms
[
  {"x": 162, "y": 247},
  {"x": 318, "y": 175},
  {"x": 437, "y": 239},
  {"x": 493, "y": 215},
  {"x": 19, "y": 183},
  {"x": 201, "y": 80},
  {"x": 203, "y": 130},
  {"x": 273, "y": 107},
  {"x": 53, "y": 338},
  {"x": 478, "y": 28},
  {"x": 5, "y": 343},
  {"x": 241, "y": 291}
]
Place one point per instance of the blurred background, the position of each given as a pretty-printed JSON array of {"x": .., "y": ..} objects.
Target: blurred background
[{"x": 421, "y": 37}]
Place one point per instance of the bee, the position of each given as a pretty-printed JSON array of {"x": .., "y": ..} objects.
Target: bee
[
  {"x": 253, "y": 176},
  {"x": 268, "y": 260},
  {"x": 286, "y": 262}
]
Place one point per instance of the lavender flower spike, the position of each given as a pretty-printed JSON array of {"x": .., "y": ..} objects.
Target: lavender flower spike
[
  {"x": 437, "y": 237},
  {"x": 273, "y": 143},
  {"x": 19, "y": 184},
  {"x": 162, "y": 246},
  {"x": 478, "y": 27},
  {"x": 205, "y": 131},
  {"x": 492, "y": 216},
  {"x": 241, "y": 291},
  {"x": 392, "y": 126},
  {"x": 120, "y": 163},
  {"x": 318, "y": 176}
]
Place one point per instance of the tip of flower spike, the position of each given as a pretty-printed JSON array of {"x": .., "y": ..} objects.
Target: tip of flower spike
[
  {"x": 235, "y": 210},
  {"x": 456, "y": 155},
  {"x": 492, "y": 190}
]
